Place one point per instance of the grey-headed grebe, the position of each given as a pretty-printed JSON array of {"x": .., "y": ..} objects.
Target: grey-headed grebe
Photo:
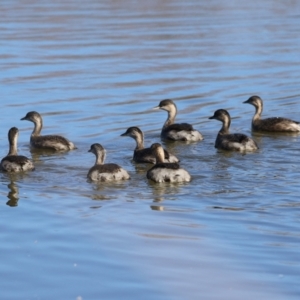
[
  {"x": 270, "y": 124},
  {"x": 54, "y": 142},
  {"x": 165, "y": 172},
  {"x": 105, "y": 172},
  {"x": 142, "y": 154},
  {"x": 235, "y": 141},
  {"x": 173, "y": 131},
  {"x": 14, "y": 162}
]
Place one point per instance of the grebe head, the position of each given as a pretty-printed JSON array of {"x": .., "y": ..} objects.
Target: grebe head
[
  {"x": 32, "y": 116},
  {"x": 99, "y": 151},
  {"x": 158, "y": 152},
  {"x": 133, "y": 132},
  {"x": 255, "y": 101},
  {"x": 221, "y": 115},
  {"x": 167, "y": 105}
]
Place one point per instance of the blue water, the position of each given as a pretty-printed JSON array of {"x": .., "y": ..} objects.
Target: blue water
[{"x": 93, "y": 69}]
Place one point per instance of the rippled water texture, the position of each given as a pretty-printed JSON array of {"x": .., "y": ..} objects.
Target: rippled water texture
[{"x": 94, "y": 68}]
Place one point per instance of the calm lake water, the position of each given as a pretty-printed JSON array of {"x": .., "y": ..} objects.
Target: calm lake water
[{"x": 95, "y": 68}]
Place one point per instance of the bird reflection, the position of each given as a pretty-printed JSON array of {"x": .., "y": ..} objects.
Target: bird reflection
[
  {"x": 161, "y": 191},
  {"x": 157, "y": 207},
  {"x": 13, "y": 194},
  {"x": 141, "y": 168},
  {"x": 38, "y": 154},
  {"x": 274, "y": 135}
]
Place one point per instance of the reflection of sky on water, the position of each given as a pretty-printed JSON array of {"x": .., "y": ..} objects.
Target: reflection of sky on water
[{"x": 93, "y": 69}]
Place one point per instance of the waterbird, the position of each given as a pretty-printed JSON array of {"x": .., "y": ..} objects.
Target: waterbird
[
  {"x": 105, "y": 172},
  {"x": 274, "y": 124},
  {"x": 165, "y": 172},
  {"x": 176, "y": 131},
  {"x": 142, "y": 154},
  {"x": 54, "y": 142},
  {"x": 234, "y": 141},
  {"x": 14, "y": 162}
]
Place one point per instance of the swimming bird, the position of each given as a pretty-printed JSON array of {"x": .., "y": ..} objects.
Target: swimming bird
[
  {"x": 54, "y": 142},
  {"x": 234, "y": 141},
  {"x": 14, "y": 162},
  {"x": 176, "y": 131},
  {"x": 105, "y": 172},
  {"x": 166, "y": 172},
  {"x": 142, "y": 154},
  {"x": 270, "y": 124}
]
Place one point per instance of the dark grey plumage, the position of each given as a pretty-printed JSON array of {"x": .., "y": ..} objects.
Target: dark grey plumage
[
  {"x": 14, "y": 162},
  {"x": 106, "y": 168},
  {"x": 105, "y": 172},
  {"x": 54, "y": 142},
  {"x": 176, "y": 131},
  {"x": 165, "y": 172},
  {"x": 142, "y": 154},
  {"x": 273, "y": 124},
  {"x": 173, "y": 166},
  {"x": 227, "y": 141}
]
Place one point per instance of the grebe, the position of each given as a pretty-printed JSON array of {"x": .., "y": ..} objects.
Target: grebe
[
  {"x": 166, "y": 172},
  {"x": 142, "y": 154},
  {"x": 270, "y": 124},
  {"x": 105, "y": 172},
  {"x": 14, "y": 162},
  {"x": 173, "y": 131},
  {"x": 235, "y": 141},
  {"x": 54, "y": 142}
]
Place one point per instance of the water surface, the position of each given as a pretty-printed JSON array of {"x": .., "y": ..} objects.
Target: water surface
[{"x": 93, "y": 69}]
